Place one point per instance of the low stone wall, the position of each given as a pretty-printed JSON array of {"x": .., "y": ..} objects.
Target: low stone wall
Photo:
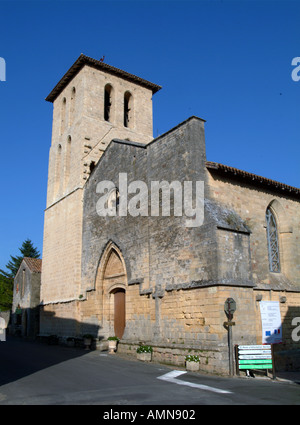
[{"x": 212, "y": 361}]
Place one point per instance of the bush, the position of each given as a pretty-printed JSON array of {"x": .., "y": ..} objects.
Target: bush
[
  {"x": 113, "y": 338},
  {"x": 88, "y": 336},
  {"x": 191, "y": 358},
  {"x": 144, "y": 349}
]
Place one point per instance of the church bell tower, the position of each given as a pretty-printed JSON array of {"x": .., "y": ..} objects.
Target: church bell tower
[{"x": 93, "y": 103}]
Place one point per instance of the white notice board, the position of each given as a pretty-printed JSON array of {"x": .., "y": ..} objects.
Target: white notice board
[{"x": 271, "y": 322}]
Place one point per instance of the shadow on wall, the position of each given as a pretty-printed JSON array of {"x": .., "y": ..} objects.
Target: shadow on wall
[
  {"x": 287, "y": 354},
  {"x": 20, "y": 357},
  {"x": 36, "y": 323},
  {"x": 24, "y": 322}
]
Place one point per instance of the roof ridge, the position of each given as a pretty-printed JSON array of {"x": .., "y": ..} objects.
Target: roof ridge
[
  {"x": 87, "y": 60},
  {"x": 35, "y": 264},
  {"x": 265, "y": 180}
]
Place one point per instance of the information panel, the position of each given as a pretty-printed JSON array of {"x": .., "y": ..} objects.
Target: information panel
[{"x": 271, "y": 322}]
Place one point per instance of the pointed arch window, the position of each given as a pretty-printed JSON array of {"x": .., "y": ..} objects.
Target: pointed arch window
[
  {"x": 113, "y": 200},
  {"x": 273, "y": 244}
]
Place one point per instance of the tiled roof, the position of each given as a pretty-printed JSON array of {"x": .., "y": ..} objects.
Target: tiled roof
[
  {"x": 253, "y": 178},
  {"x": 86, "y": 60},
  {"x": 34, "y": 264}
]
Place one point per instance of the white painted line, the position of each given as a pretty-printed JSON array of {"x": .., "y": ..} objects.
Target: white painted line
[{"x": 171, "y": 377}]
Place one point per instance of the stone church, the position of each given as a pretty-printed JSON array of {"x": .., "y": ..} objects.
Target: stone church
[{"x": 148, "y": 277}]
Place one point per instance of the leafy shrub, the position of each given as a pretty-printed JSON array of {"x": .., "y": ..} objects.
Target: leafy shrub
[
  {"x": 144, "y": 349},
  {"x": 113, "y": 338},
  {"x": 191, "y": 358}
]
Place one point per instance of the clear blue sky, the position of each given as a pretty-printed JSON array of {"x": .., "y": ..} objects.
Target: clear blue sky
[{"x": 228, "y": 62}]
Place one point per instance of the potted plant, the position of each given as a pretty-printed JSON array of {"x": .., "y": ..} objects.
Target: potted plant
[
  {"x": 87, "y": 340},
  {"x": 192, "y": 363},
  {"x": 112, "y": 344},
  {"x": 70, "y": 341},
  {"x": 144, "y": 353}
]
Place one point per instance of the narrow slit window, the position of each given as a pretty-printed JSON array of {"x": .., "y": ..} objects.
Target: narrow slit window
[
  {"x": 72, "y": 105},
  {"x": 67, "y": 162},
  {"x": 63, "y": 116},
  {"x": 23, "y": 284},
  {"x": 273, "y": 244},
  {"x": 92, "y": 166},
  {"x": 128, "y": 112},
  {"x": 57, "y": 170},
  {"x": 107, "y": 102}
]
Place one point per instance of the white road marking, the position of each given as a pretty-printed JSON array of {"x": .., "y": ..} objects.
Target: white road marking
[{"x": 171, "y": 377}]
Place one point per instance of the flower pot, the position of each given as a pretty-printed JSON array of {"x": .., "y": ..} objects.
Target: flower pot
[
  {"x": 87, "y": 343},
  {"x": 144, "y": 357},
  {"x": 192, "y": 366},
  {"x": 112, "y": 346}
]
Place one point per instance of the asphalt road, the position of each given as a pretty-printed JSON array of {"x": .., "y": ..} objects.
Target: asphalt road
[{"x": 39, "y": 374}]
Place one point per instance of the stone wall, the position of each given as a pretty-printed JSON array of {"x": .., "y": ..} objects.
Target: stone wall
[
  {"x": 61, "y": 276},
  {"x": 178, "y": 278},
  {"x": 250, "y": 204}
]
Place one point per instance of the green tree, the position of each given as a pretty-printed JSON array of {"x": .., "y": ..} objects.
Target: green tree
[
  {"x": 27, "y": 250},
  {"x": 6, "y": 292},
  {"x": 7, "y": 277}
]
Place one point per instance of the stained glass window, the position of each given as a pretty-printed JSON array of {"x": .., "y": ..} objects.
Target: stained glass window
[{"x": 273, "y": 246}]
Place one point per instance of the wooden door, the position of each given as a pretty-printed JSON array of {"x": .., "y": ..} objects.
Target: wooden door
[{"x": 119, "y": 312}]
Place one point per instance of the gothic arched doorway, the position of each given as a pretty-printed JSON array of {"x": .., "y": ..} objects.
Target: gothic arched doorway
[{"x": 113, "y": 282}]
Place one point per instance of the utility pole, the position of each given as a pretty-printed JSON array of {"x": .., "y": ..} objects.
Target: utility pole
[{"x": 229, "y": 308}]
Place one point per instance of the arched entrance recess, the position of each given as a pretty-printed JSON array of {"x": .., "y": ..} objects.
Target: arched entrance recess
[{"x": 114, "y": 283}]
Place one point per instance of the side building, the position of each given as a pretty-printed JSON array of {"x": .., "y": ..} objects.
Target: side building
[{"x": 26, "y": 298}]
